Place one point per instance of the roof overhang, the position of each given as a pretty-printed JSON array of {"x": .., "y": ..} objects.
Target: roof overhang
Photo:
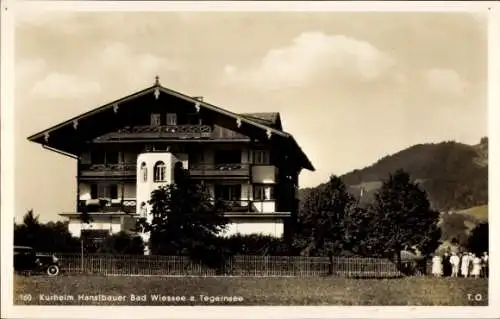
[
  {"x": 245, "y": 215},
  {"x": 68, "y": 136},
  {"x": 98, "y": 214}
]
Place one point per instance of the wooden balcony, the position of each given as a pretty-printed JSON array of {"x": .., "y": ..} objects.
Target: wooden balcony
[
  {"x": 108, "y": 170},
  {"x": 238, "y": 170},
  {"x": 180, "y": 132},
  {"x": 106, "y": 205},
  {"x": 264, "y": 174},
  {"x": 251, "y": 208}
]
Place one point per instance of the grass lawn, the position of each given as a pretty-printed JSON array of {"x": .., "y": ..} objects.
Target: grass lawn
[{"x": 414, "y": 291}]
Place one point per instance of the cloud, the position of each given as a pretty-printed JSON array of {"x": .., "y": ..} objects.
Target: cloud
[
  {"x": 131, "y": 65},
  {"x": 28, "y": 70},
  {"x": 58, "y": 85},
  {"x": 116, "y": 61},
  {"x": 311, "y": 55},
  {"x": 51, "y": 20},
  {"x": 446, "y": 81}
]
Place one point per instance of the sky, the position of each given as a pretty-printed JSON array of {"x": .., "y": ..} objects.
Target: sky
[{"x": 350, "y": 87}]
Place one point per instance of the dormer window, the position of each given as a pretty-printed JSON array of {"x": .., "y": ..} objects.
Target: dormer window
[
  {"x": 155, "y": 119},
  {"x": 171, "y": 119}
]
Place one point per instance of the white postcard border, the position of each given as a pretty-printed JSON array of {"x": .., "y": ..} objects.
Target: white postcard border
[{"x": 8, "y": 162}]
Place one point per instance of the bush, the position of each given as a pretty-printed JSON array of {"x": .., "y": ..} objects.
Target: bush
[
  {"x": 49, "y": 237},
  {"x": 259, "y": 245},
  {"x": 122, "y": 243}
]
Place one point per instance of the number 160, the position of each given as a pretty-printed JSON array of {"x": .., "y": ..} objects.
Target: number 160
[{"x": 25, "y": 297}]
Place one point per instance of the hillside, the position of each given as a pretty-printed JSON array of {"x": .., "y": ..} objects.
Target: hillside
[
  {"x": 455, "y": 175},
  {"x": 456, "y": 227}
]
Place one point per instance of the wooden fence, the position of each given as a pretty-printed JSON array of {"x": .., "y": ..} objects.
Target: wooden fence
[{"x": 247, "y": 266}]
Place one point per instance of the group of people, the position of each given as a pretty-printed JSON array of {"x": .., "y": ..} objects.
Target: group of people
[{"x": 464, "y": 264}]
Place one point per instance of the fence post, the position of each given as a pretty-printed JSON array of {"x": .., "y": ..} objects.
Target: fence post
[
  {"x": 330, "y": 263},
  {"x": 81, "y": 248}
]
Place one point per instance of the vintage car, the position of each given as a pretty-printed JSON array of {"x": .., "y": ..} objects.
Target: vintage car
[{"x": 27, "y": 260}]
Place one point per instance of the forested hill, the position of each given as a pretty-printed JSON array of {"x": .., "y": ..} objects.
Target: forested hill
[{"x": 455, "y": 175}]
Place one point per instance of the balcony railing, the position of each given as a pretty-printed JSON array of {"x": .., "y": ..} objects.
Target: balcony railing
[
  {"x": 186, "y": 131},
  {"x": 250, "y": 206},
  {"x": 233, "y": 169},
  {"x": 122, "y": 169},
  {"x": 107, "y": 205},
  {"x": 128, "y": 205}
]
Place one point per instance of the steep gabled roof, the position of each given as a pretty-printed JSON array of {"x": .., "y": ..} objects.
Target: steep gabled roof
[
  {"x": 267, "y": 118},
  {"x": 109, "y": 106},
  {"x": 268, "y": 123}
]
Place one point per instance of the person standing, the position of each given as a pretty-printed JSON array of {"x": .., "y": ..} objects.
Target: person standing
[
  {"x": 485, "y": 264},
  {"x": 476, "y": 266},
  {"x": 437, "y": 266},
  {"x": 465, "y": 265},
  {"x": 471, "y": 259},
  {"x": 446, "y": 265},
  {"x": 454, "y": 261}
]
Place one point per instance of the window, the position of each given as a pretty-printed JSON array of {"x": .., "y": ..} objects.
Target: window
[
  {"x": 103, "y": 191},
  {"x": 112, "y": 157},
  {"x": 171, "y": 119},
  {"x": 101, "y": 157},
  {"x": 143, "y": 209},
  {"x": 98, "y": 157},
  {"x": 159, "y": 171},
  {"x": 205, "y": 188},
  {"x": 263, "y": 192},
  {"x": 261, "y": 157},
  {"x": 144, "y": 172},
  {"x": 194, "y": 119},
  {"x": 201, "y": 156},
  {"x": 196, "y": 157},
  {"x": 155, "y": 119},
  {"x": 227, "y": 157},
  {"x": 93, "y": 191},
  {"x": 228, "y": 192},
  {"x": 113, "y": 191}
]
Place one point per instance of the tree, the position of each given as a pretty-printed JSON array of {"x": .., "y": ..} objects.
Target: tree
[
  {"x": 401, "y": 218},
  {"x": 321, "y": 227},
  {"x": 185, "y": 221},
  {"x": 49, "y": 237},
  {"x": 453, "y": 228},
  {"x": 28, "y": 233},
  {"x": 478, "y": 240}
]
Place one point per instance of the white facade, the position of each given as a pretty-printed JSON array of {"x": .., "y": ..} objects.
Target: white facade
[
  {"x": 114, "y": 224},
  {"x": 264, "y": 174},
  {"x": 272, "y": 227},
  {"x": 148, "y": 164},
  {"x": 265, "y": 206},
  {"x": 156, "y": 169}
]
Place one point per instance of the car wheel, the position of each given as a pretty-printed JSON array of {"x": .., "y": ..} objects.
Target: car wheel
[{"x": 53, "y": 270}]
